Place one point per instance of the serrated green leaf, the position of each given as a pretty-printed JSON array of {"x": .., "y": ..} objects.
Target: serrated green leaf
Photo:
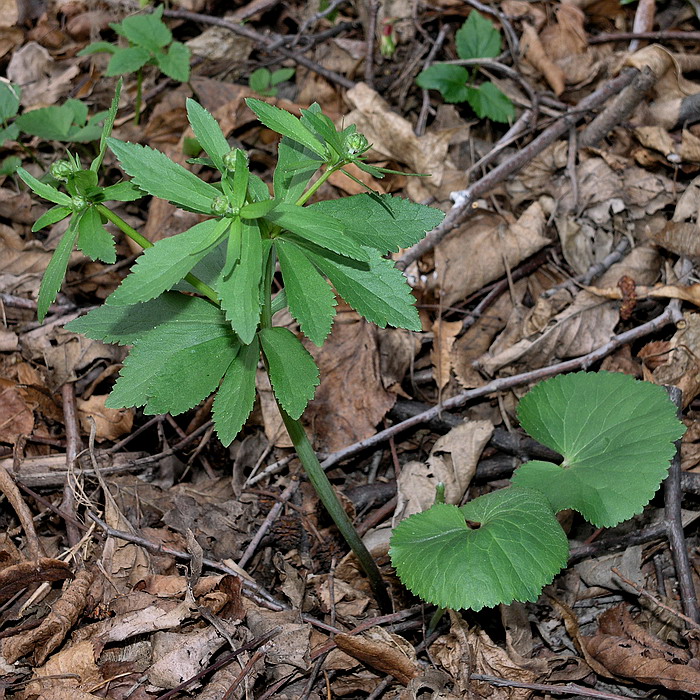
[
  {"x": 177, "y": 364},
  {"x": 56, "y": 270},
  {"x": 295, "y": 167},
  {"x": 52, "y": 216},
  {"x": 517, "y": 549},
  {"x": 156, "y": 174},
  {"x": 478, "y": 38},
  {"x": 616, "y": 435},
  {"x": 50, "y": 123},
  {"x": 488, "y": 101},
  {"x": 93, "y": 239},
  {"x": 208, "y": 133},
  {"x": 293, "y": 373},
  {"x": 107, "y": 129},
  {"x": 281, "y": 75},
  {"x": 148, "y": 31},
  {"x": 259, "y": 80},
  {"x": 127, "y": 60},
  {"x": 43, "y": 190},
  {"x": 127, "y": 324},
  {"x": 10, "y": 96},
  {"x": 317, "y": 229},
  {"x": 122, "y": 192},
  {"x": 286, "y": 124},
  {"x": 240, "y": 291},
  {"x": 381, "y": 221},
  {"x": 158, "y": 268},
  {"x": 450, "y": 80},
  {"x": 310, "y": 298},
  {"x": 256, "y": 210},
  {"x": 325, "y": 129},
  {"x": 236, "y": 396},
  {"x": 98, "y": 47},
  {"x": 175, "y": 63},
  {"x": 380, "y": 293}
]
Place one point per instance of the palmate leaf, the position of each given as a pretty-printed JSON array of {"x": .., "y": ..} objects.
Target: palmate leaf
[
  {"x": 178, "y": 363},
  {"x": 293, "y": 373},
  {"x": 167, "y": 262},
  {"x": 310, "y": 298},
  {"x": 56, "y": 270},
  {"x": 517, "y": 548},
  {"x": 381, "y": 221},
  {"x": 616, "y": 435},
  {"x": 156, "y": 174},
  {"x": 378, "y": 291},
  {"x": 236, "y": 396},
  {"x": 208, "y": 133}
]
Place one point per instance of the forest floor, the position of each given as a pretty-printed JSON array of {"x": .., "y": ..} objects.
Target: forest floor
[{"x": 140, "y": 558}]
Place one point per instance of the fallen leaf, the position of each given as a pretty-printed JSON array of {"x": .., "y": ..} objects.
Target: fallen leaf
[
  {"x": 18, "y": 576},
  {"x": 444, "y": 336},
  {"x": 110, "y": 423}
]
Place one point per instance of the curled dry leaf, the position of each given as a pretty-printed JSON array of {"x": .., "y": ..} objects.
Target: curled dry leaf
[
  {"x": 54, "y": 628},
  {"x": 444, "y": 336},
  {"x": 536, "y": 55},
  {"x": 14, "y": 578},
  {"x": 110, "y": 423},
  {"x": 68, "y": 675}
]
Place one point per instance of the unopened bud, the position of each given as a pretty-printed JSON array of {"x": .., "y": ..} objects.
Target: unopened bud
[
  {"x": 61, "y": 170},
  {"x": 356, "y": 143},
  {"x": 219, "y": 205},
  {"x": 230, "y": 159},
  {"x": 79, "y": 203}
]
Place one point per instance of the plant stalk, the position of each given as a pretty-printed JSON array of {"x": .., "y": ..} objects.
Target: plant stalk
[
  {"x": 328, "y": 497},
  {"x": 135, "y": 236},
  {"x": 326, "y": 174}
]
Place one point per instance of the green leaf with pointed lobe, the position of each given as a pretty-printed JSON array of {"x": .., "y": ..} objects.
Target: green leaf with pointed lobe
[
  {"x": 208, "y": 133},
  {"x": 379, "y": 291},
  {"x": 383, "y": 222},
  {"x": 488, "y": 101},
  {"x": 450, "y": 80},
  {"x": 127, "y": 60},
  {"x": 310, "y": 298},
  {"x": 293, "y": 372},
  {"x": 158, "y": 268},
  {"x": 517, "y": 548},
  {"x": 286, "y": 124},
  {"x": 175, "y": 62},
  {"x": 156, "y": 174},
  {"x": 44, "y": 190},
  {"x": 146, "y": 30},
  {"x": 616, "y": 435},
  {"x": 94, "y": 240},
  {"x": 52, "y": 216},
  {"x": 478, "y": 38},
  {"x": 236, "y": 396},
  {"x": 56, "y": 270}
]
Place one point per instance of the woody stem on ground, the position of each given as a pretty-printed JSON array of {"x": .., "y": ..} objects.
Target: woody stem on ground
[{"x": 135, "y": 236}]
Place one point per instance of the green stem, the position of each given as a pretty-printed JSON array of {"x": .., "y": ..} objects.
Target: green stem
[
  {"x": 328, "y": 497},
  {"x": 139, "y": 88},
  {"x": 326, "y": 174},
  {"x": 135, "y": 236},
  {"x": 266, "y": 313}
]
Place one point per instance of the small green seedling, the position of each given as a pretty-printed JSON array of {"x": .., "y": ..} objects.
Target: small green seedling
[
  {"x": 265, "y": 82},
  {"x": 209, "y": 339},
  {"x": 616, "y": 436},
  {"x": 477, "y": 38},
  {"x": 150, "y": 44}
]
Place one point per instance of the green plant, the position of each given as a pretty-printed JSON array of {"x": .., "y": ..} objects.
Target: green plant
[
  {"x": 477, "y": 38},
  {"x": 617, "y": 437},
  {"x": 229, "y": 261},
  {"x": 150, "y": 44},
  {"x": 265, "y": 82}
]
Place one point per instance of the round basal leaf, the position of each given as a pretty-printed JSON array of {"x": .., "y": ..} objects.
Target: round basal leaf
[
  {"x": 511, "y": 548},
  {"x": 616, "y": 435}
]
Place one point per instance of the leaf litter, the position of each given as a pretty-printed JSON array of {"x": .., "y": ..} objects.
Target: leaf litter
[{"x": 155, "y": 513}]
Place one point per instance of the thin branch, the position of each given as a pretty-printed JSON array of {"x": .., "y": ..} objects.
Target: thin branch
[{"x": 370, "y": 41}]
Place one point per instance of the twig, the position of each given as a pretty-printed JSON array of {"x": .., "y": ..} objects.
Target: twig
[
  {"x": 9, "y": 488},
  {"x": 73, "y": 446},
  {"x": 667, "y": 35},
  {"x": 437, "y": 45},
  {"x": 464, "y": 199},
  {"x": 674, "y": 524},
  {"x": 332, "y": 7},
  {"x": 643, "y": 21},
  {"x": 670, "y": 315},
  {"x": 370, "y": 41}
]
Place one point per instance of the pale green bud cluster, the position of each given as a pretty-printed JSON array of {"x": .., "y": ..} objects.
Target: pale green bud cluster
[
  {"x": 62, "y": 170},
  {"x": 221, "y": 207},
  {"x": 230, "y": 159},
  {"x": 356, "y": 143}
]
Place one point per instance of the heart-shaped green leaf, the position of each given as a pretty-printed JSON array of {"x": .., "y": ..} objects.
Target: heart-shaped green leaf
[
  {"x": 517, "y": 548},
  {"x": 616, "y": 435}
]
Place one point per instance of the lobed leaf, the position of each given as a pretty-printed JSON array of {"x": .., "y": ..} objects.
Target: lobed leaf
[
  {"x": 450, "y": 80},
  {"x": 293, "y": 373},
  {"x": 175, "y": 63},
  {"x": 517, "y": 548},
  {"x": 488, "y": 101},
  {"x": 146, "y": 30},
  {"x": 93, "y": 239},
  {"x": 127, "y": 61},
  {"x": 44, "y": 190},
  {"x": 616, "y": 435}
]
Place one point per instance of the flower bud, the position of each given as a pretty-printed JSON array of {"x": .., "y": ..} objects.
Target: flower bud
[
  {"x": 61, "y": 170},
  {"x": 219, "y": 206},
  {"x": 230, "y": 159},
  {"x": 79, "y": 203},
  {"x": 356, "y": 143}
]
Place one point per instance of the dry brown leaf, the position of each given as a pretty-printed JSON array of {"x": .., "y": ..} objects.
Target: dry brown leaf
[
  {"x": 18, "y": 576},
  {"x": 54, "y": 628},
  {"x": 275, "y": 431},
  {"x": 535, "y": 54},
  {"x": 397, "y": 348},
  {"x": 444, "y": 336},
  {"x": 110, "y": 423},
  {"x": 16, "y": 417},
  {"x": 68, "y": 675},
  {"x": 383, "y": 651},
  {"x": 351, "y": 399}
]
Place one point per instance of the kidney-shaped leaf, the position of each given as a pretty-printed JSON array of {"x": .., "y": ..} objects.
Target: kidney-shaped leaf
[
  {"x": 498, "y": 548},
  {"x": 616, "y": 435}
]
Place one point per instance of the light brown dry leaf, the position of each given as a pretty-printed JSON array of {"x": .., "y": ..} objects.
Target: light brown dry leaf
[
  {"x": 16, "y": 417},
  {"x": 351, "y": 399},
  {"x": 657, "y": 138},
  {"x": 452, "y": 461},
  {"x": 9, "y": 341},
  {"x": 688, "y": 206},
  {"x": 44, "y": 81},
  {"x": 397, "y": 348},
  {"x": 110, "y": 423},
  {"x": 220, "y": 44},
  {"x": 383, "y": 651},
  {"x": 444, "y": 336},
  {"x": 519, "y": 640},
  {"x": 54, "y": 628},
  {"x": 689, "y": 293},
  {"x": 18, "y": 576},
  {"x": 69, "y": 675},
  {"x": 21, "y": 258},
  {"x": 681, "y": 238},
  {"x": 275, "y": 431},
  {"x": 464, "y": 651},
  {"x": 690, "y": 147},
  {"x": 532, "y": 47}
]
